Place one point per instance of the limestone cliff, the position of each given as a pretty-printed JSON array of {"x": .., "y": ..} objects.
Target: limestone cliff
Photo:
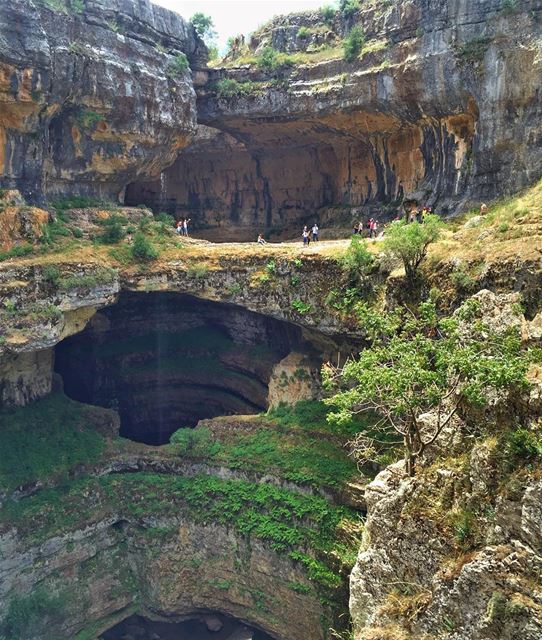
[
  {"x": 92, "y": 94},
  {"x": 441, "y": 105}
]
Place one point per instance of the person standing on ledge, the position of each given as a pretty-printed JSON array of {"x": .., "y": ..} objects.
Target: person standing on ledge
[
  {"x": 306, "y": 236},
  {"x": 185, "y": 226},
  {"x": 315, "y": 232}
]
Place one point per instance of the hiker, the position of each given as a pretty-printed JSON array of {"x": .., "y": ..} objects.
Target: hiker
[
  {"x": 373, "y": 227},
  {"x": 315, "y": 232},
  {"x": 306, "y": 237},
  {"x": 185, "y": 226},
  {"x": 179, "y": 227},
  {"x": 483, "y": 209},
  {"x": 261, "y": 239}
]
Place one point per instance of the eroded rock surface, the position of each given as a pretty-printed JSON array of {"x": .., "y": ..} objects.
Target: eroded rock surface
[
  {"x": 92, "y": 98},
  {"x": 432, "y": 109}
]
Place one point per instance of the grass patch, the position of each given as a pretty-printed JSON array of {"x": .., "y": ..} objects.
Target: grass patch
[
  {"x": 288, "y": 522},
  {"x": 48, "y": 437},
  {"x": 295, "y": 443}
]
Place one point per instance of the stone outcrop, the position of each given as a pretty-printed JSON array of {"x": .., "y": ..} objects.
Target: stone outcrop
[
  {"x": 455, "y": 552},
  {"x": 92, "y": 95},
  {"x": 431, "y": 110},
  {"x": 19, "y": 223}
]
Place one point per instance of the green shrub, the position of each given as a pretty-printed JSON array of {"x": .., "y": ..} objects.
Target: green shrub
[
  {"x": 197, "y": 271},
  {"x": 271, "y": 267},
  {"x": 51, "y": 274},
  {"x": 473, "y": 51},
  {"x": 194, "y": 442},
  {"x": 328, "y": 14},
  {"x": 89, "y": 119},
  {"x": 230, "y": 88},
  {"x": 303, "y": 32},
  {"x": 301, "y": 307},
  {"x": 349, "y": 7},
  {"x": 177, "y": 66},
  {"x": 462, "y": 280},
  {"x": 410, "y": 242},
  {"x": 142, "y": 249},
  {"x": 16, "y": 252},
  {"x": 234, "y": 289},
  {"x": 28, "y": 614},
  {"x": 272, "y": 60},
  {"x": 112, "y": 234},
  {"x": 203, "y": 24},
  {"x": 357, "y": 261},
  {"x": 523, "y": 443},
  {"x": 165, "y": 218},
  {"x": 353, "y": 43},
  {"x": 77, "y": 6}
]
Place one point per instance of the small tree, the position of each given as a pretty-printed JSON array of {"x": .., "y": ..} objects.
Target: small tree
[
  {"x": 357, "y": 261},
  {"x": 353, "y": 43},
  {"x": 143, "y": 250},
  {"x": 419, "y": 364},
  {"x": 204, "y": 25},
  {"x": 410, "y": 242}
]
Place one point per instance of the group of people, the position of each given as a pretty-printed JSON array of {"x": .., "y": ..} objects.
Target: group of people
[
  {"x": 308, "y": 235},
  {"x": 182, "y": 226},
  {"x": 419, "y": 214},
  {"x": 371, "y": 226}
]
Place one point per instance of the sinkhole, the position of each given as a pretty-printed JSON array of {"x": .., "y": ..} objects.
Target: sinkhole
[
  {"x": 210, "y": 626},
  {"x": 165, "y": 361}
]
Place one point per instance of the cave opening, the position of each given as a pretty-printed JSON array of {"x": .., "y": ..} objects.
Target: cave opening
[
  {"x": 166, "y": 361},
  {"x": 204, "y": 626}
]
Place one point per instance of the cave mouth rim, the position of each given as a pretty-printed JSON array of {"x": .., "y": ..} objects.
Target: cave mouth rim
[
  {"x": 196, "y": 615},
  {"x": 232, "y": 389}
]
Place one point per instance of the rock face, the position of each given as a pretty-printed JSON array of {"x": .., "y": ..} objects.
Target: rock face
[
  {"x": 92, "y": 98},
  {"x": 455, "y": 553},
  {"x": 432, "y": 109}
]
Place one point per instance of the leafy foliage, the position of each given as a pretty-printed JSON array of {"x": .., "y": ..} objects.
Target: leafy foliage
[
  {"x": 301, "y": 307},
  {"x": 142, "y": 249},
  {"x": 50, "y": 436},
  {"x": 409, "y": 242},
  {"x": 26, "y": 613},
  {"x": 231, "y": 88},
  {"x": 420, "y": 363},
  {"x": 353, "y": 43},
  {"x": 203, "y": 24},
  {"x": 16, "y": 252},
  {"x": 272, "y": 60},
  {"x": 349, "y": 7},
  {"x": 328, "y": 13},
  {"x": 177, "y": 66},
  {"x": 357, "y": 262}
]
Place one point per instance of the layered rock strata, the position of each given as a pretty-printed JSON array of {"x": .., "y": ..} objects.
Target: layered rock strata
[
  {"x": 431, "y": 110},
  {"x": 93, "y": 94}
]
